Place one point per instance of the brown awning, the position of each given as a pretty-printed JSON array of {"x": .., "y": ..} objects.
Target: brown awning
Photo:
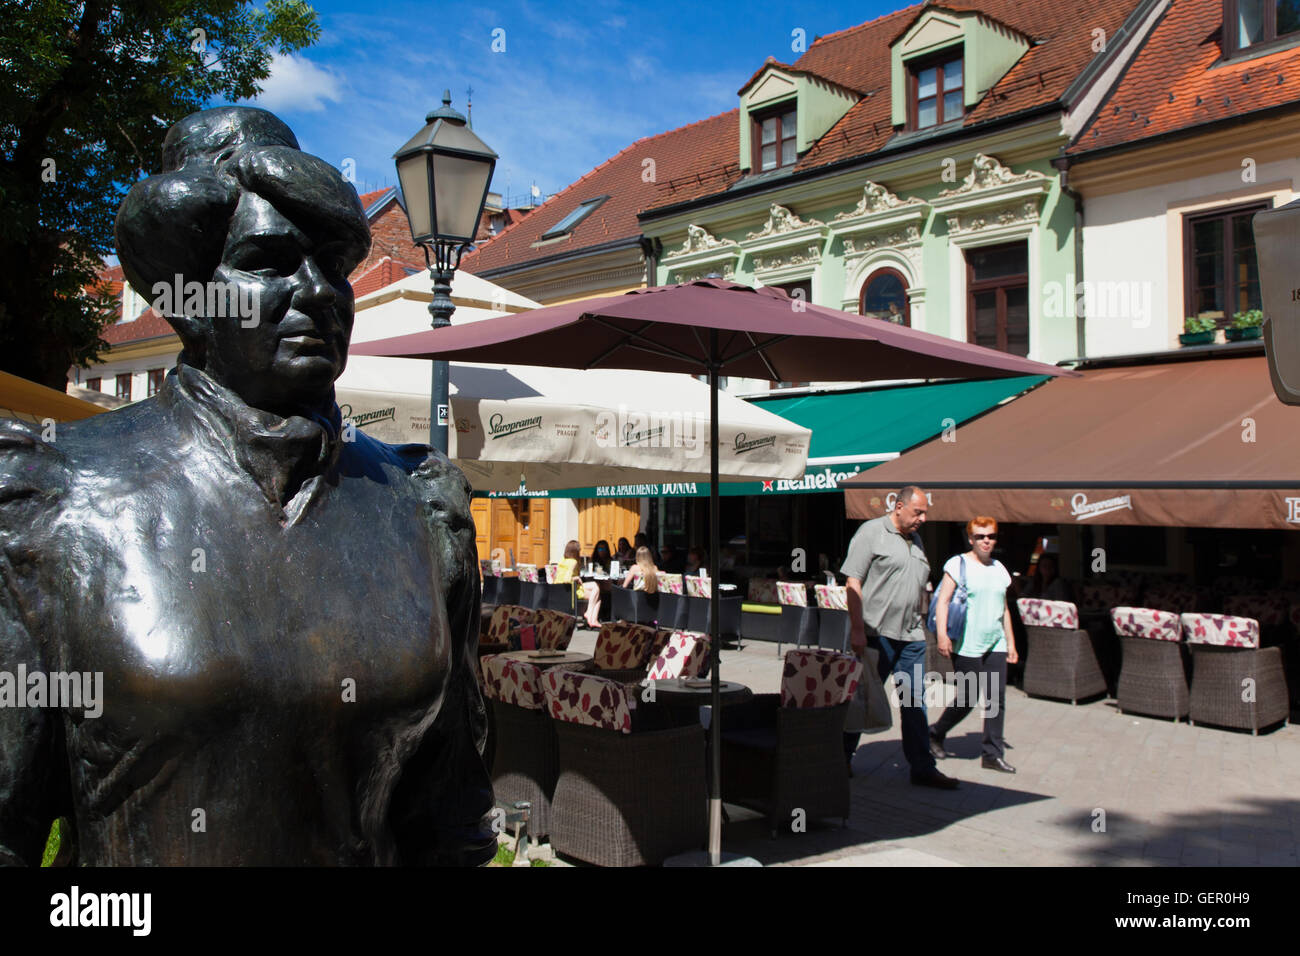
[{"x": 1201, "y": 443}]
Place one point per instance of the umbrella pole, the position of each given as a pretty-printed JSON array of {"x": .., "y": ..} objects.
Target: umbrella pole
[{"x": 715, "y": 607}]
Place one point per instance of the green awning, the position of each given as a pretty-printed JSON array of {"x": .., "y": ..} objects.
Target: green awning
[{"x": 851, "y": 432}]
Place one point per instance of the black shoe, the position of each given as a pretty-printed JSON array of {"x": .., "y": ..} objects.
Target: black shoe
[
  {"x": 935, "y": 779},
  {"x": 997, "y": 763},
  {"x": 936, "y": 747}
]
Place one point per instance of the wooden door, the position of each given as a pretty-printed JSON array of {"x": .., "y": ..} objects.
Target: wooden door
[
  {"x": 539, "y": 530},
  {"x": 480, "y": 510},
  {"x": 504, "y": 535},
  {"x": 608, "y": 519}
]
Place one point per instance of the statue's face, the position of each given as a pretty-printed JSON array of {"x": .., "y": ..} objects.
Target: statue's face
[{"x": 297, "y": 277}]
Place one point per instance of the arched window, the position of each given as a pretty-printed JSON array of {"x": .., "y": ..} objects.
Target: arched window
[{"x": 884, "y": 296}]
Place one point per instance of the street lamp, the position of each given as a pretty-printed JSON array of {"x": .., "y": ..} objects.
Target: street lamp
[{"x": 444, "y": 172}]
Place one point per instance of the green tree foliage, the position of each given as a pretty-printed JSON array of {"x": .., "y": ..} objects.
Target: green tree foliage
[{"x": 87, "y": 93}]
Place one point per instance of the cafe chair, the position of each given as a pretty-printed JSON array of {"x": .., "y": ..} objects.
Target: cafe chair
[
  {"x": 628, "y": 793},
  {"x": 785, "y": 753},
  {"x": 798, "y": 620},
  {"x": 554, "y": 629},
  {"x": 623, "y": 650},
  {"x": 1060, "y": 662},
  {"x": 507, "y": 625},
  {"x": 1175, "y": 598},
  {"x": 531, "y": 589},
  {"x": 700, "y": 603},
  {"x": 833, "y": 617},
  {"x": 1153, "y": 674},
  {"x": 560, "y": 597},
  {"x": 685, "y": 654},
  {"x": 1235, "y": 682},
  {"x": 673, "y": 611},
  {"x": 525, "y": 757}
]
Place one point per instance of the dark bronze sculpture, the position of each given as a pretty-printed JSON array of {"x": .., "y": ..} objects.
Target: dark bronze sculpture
[{"x": 283, "y": 611}]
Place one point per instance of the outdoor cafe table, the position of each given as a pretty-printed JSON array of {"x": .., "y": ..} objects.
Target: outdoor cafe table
[
  {"x": 548, "y": 660},
  {"x": 684, "y": 701}
]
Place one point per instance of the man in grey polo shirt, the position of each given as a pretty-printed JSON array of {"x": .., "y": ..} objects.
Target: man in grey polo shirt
[{"x": 887, "y": 573}]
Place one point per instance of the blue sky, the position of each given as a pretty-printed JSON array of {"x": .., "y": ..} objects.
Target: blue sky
[{"x": 575, "y": 84}]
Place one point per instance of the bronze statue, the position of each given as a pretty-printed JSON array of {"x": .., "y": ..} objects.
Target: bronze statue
[{"x": 283, "y": 611}]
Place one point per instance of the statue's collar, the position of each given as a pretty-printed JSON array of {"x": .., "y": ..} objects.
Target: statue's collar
[{"x": 288, "y": 458}]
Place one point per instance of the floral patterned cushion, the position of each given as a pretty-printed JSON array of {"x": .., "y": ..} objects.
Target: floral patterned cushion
[
  {"x": 793, "y": 593},
  {"x": 512, "y": 682},
  {"x": 587, "y": 699},
  {"x": 1146, "y": 622},
  {"x": 698, "y": 587},
  {"x": 621, "y": 645},
  {"x": 670, "y": 583},
  {"x": 1221, "y": 630},
  {"x": 508, "y": 619},
  {"x": 833, "y": 597},
  {"x": 554, "y": 629},
  {"x": 660, "y": 641},
  {"x": 1178, "y": 598},
  {"x": 485, "y": 566},
  {"x": 818, "y": 678},
  {"x": 1269, "y": 609},
  {"x": 684, "y": 655},
  {"x": 763, "y": 591},
  {"x": 1035, "y": 612},
  {"x": 527, "y": 573},
  {"x": 551, "y": 570}
]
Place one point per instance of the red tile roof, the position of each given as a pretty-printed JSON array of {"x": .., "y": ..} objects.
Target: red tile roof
[
  {"x": 367, "y": 199},
  {"x": 383, "y": 273},
  {"x": 704, "y": 151},
  {"x": 149, "y": 325},
  {"x": 1173, "y": 83}
]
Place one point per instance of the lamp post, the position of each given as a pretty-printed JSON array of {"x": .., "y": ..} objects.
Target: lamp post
[{"x": 444, "y": 172}]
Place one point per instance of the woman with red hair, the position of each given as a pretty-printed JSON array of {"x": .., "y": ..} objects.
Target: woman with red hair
[{"x": 981, "y": 652}]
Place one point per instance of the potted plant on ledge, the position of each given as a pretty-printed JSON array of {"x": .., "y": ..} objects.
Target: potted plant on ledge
[
  {"x": 1245, "y": 325},
  {"x": 1198, "y": 330}
]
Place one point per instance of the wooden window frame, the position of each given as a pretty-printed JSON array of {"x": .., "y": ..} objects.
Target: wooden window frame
[
  {"x": 95, "y": 384},
  {"x": 886, "y": 270},
  {"x": 1271, "y": 39},
  {"x": 914, "y": 68},
  {"x": 153, "y": 381},
  {"x": 1000, "y": 285},
  {"x": 1189, "y": 257},
  {"x": 756, "y": 136},
  {"x": 117, "y": 385}
]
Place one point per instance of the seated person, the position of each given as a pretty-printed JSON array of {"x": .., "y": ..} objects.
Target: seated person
[
  {"x": 1046, "y": 583},
  {"x": 643, "y": 576}
]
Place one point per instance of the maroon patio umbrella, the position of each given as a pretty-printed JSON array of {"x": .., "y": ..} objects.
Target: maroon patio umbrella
[{"x": 715, "y": 327}]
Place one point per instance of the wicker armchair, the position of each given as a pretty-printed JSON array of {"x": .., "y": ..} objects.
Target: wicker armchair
[
  {"x": 798, "y": 620},
  {"x": 507, "y": 624},
  {"x": 491, "y": 572},
  {"x": 554, "y": 629},
  {"x": 1235, "y": 682},
  {"x": 673, "y": 611},
  {"x": 627, "y": 794},
  {"x": 833, "y": 623},
  {"x": 1153, "y": 676},
  {"x": 623, "y": 651},
  {"x": 1061, "y": 662},
  {"x": 532, "y": 592},
  {"x": 633, "y": 606},
  {"x": 782, "y": 753},
  {"x": 525, "y": 755},
  {"x": 700, "y": 604}
]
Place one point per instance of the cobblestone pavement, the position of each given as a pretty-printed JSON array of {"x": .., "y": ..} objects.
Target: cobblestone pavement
[{"x": 1167, "y": 794}]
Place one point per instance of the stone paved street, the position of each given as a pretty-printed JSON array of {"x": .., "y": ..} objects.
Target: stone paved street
[{"x": 1171, "y": 794}]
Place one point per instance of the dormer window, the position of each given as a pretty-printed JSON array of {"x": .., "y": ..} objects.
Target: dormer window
[
  {"x": 1252, "y": 23},
  {"x": 936, "y": 91},
  {"x": 775, "y": 138},
  {"x": 575, "y": 216}
]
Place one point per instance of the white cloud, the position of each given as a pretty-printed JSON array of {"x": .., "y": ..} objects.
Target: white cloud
[{"x": 296, "y": 83}]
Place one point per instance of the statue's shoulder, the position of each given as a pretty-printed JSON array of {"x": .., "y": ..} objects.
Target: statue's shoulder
[
  {"x": 34, "y": 472},
  {"x": 443, "y": 486}
]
